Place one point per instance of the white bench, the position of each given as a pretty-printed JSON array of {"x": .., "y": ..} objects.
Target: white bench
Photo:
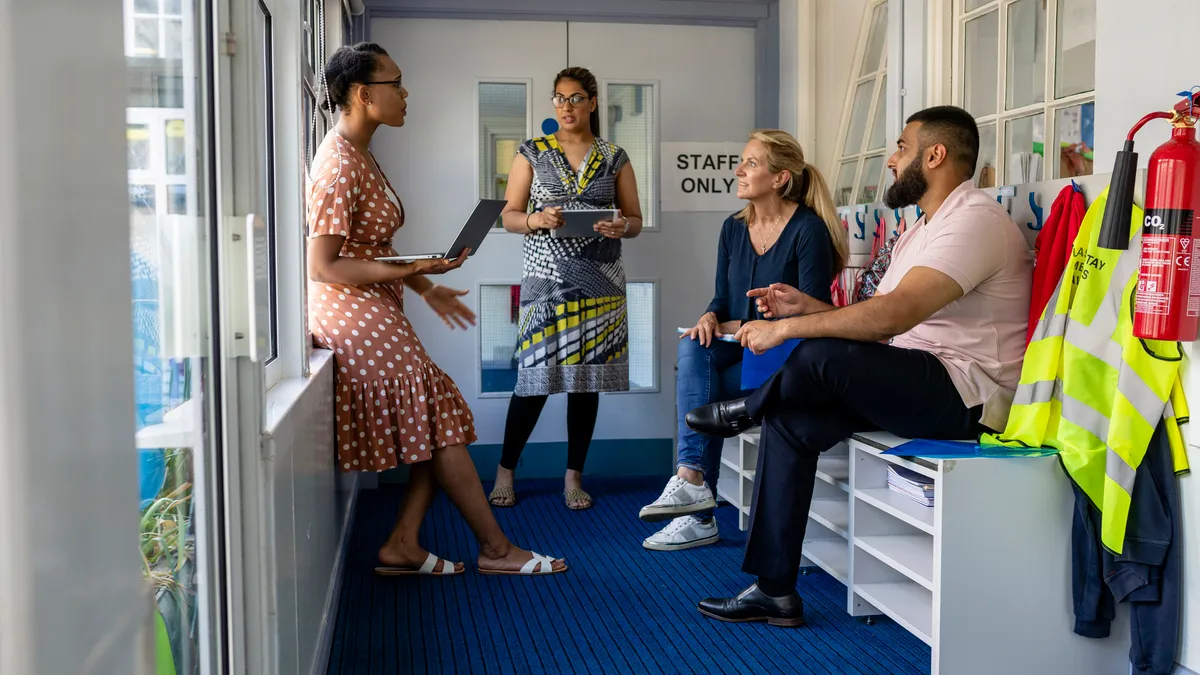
[{"x": 983, "y": 576}]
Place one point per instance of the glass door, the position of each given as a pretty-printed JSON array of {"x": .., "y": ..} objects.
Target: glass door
[{"x": 172, "y": 228}]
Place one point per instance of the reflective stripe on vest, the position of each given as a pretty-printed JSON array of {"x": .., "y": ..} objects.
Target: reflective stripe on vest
[{"x": 1088, "y": 386}]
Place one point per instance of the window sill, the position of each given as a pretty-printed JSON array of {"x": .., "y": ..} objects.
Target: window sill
[
  {"x": 282, "y": 397},
  {"x": 177, "y": 430},
  {"x": 180, "y": 430}
]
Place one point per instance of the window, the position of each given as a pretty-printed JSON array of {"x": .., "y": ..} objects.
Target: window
[
  {"x": 137, "y": 136},
  {"x": 314, "y": 12},
  {"x": 171, "y": 365},
  {"x": 154, "y": 29},
  {"x": 864, "y": 135},
  {"x": 499, "y": 313},
  {"x": 1026, "y": 69},
  {"x": 632, "y": 124},
  {"x": 265, "y": 248},
  {"x": 503, "y": 125},
  {"x": 316, "y": 120},
  {"x": 308, "y": 111},
  {"x": 640, "y": 303}
]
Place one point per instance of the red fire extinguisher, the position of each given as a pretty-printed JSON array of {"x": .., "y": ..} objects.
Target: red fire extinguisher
[{"x": 1167, "y": 304}]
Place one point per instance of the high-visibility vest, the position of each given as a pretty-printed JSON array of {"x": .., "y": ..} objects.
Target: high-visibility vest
[{"x": 1092, "y": 390}]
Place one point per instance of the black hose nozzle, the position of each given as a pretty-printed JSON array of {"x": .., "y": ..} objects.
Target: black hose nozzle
[{"x": 1114, "y": 228}]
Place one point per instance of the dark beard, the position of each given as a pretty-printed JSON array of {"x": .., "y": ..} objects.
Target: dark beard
[{"x": 908, "y": 189}]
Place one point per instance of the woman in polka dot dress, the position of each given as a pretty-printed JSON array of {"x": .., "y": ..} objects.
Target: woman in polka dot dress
[{"x": 393, "y": 404}]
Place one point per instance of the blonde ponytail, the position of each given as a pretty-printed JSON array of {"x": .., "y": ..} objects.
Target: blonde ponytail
[
  {"x": 805, "y": 185},
  {"x": 818, "y": 198}
]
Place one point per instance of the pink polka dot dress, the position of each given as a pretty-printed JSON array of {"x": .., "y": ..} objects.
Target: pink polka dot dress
[{"x": 393, "y": 404}]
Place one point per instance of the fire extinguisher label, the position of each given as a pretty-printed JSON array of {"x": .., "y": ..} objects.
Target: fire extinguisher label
[
  {"x": 1193, "y": 304},
  {"x": 1166, "y": 277},
  {"x": 1174, "y": 222},
  {"x": 1152, "y": 292}
]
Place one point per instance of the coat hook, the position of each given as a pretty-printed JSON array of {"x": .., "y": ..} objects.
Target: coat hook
[
  {"x": 920, "y": 213},
  {"x": 1037, "y": 212},
  {"x": 862, "y": 226},
  {"x": 899, "y": 222}
]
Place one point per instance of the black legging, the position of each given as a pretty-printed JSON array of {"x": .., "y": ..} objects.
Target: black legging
[{"x": 523, "y": 413}]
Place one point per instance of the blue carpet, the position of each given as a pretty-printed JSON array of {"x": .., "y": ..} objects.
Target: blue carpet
[{"x": 620, "y": 608}]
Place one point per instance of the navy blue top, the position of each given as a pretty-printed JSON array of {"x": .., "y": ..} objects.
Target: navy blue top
[{"x": 802, "y": 257}]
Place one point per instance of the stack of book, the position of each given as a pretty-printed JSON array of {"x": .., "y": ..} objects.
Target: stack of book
[{"x": 911, "y": 484}]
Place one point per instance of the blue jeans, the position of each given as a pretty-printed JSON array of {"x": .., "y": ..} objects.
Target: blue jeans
[{"x": 705, "y": 375}]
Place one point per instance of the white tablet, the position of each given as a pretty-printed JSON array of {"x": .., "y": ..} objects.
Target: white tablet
[{"x": 582, "y": 223}]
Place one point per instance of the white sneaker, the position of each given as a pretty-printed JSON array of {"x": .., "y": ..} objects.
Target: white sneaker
[
  {"x": 681, "y": 533},
  {"x": 679, "y": 498}
]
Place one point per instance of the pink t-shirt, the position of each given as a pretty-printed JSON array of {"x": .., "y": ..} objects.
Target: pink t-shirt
[{"x": 980, "y": 337}]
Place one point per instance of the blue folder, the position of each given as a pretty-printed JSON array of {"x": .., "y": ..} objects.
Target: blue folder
[
  {"x": 923, "y": 447},
  {"x": 756, "y": 368}
]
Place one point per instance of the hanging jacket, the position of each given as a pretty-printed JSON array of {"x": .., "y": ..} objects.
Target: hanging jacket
[
  {"x": 1052, "y": 249},
  {"x": 868, "y": 281},
  {"x": 1092, "y": 390}
]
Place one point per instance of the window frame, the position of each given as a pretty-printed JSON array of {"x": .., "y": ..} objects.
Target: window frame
[
  {"x": 273, "y": 363},
  {"x": 863, "y": 155},
  {"x": 476, "y": 153},
  {"x": 651, "y": 213},
  {"x": 1048, "y": 108}
]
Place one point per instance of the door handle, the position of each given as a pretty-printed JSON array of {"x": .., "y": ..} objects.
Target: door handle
[{"x": 243, "y": 235}]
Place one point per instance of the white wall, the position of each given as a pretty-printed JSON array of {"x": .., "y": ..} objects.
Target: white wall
[
  {"x": 1143, "y": 59},
  {"x": 706, "y": 94},
  {"x": 839, "y": 24},
  {"x": 72, "y": 599}
]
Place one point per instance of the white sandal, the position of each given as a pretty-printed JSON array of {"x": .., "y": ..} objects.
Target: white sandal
[
  {"x": 536, "y": 566},
  {"x": 449, "y": 569}
]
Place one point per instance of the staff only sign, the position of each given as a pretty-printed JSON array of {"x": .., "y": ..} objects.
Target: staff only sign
[{"x": 699, "y": 176}]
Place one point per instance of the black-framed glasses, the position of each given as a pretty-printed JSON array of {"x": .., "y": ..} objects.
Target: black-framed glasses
[
  {"x": 395, "y": 83},
  {"x": 576, "y": 100}
]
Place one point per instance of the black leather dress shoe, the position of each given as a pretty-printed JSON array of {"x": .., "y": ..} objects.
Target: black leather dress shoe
[
  {"x": 724, "y": 419},
  {"x": 754, "y": 605}
]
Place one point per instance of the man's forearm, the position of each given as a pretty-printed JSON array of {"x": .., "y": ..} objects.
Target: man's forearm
[
  {"x": 867, "y": 321},
  {"x": 815, "y": 306}
]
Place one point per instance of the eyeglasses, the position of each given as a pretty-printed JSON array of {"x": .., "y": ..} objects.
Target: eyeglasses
[
  {"x": 576, "y": 100},
  {"x": 395, "y": 83}
]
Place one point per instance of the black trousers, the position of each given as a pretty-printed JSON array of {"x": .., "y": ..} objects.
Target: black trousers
[{"x": 825, "y": 391}]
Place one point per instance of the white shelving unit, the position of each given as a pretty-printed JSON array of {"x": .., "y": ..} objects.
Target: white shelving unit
[
  {"x": 739, "y": 457},
  {"x": 983, "y": 576}
]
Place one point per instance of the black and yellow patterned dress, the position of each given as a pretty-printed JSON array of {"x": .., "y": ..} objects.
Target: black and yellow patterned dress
[{"x": 573, "y": 331}]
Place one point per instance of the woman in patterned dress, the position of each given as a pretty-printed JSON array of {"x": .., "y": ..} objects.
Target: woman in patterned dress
[
  {"x": 393, "y": 404},
  {"x": 573, "y": 331}
]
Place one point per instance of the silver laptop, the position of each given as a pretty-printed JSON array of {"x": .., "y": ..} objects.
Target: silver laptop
[{"x": 470, "y": 236}]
